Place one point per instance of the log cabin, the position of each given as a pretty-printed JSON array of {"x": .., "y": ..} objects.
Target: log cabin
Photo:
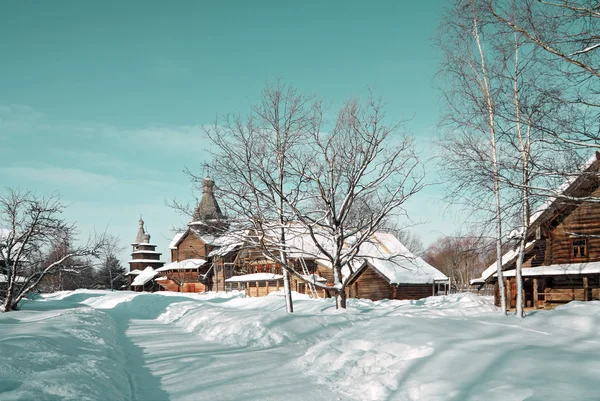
[
  {"x": 562, "y": 253},
  {"x": 388, "y": 270}
]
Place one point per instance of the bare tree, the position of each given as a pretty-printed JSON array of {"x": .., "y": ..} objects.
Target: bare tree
[
  {"x": 506, "y": 88},
  {"x": 30, "y": 225},
  {"x": 461, "y": 257},
  {"x": 252, "y": 156},
  {"x": 411, "y": 241},
  {"x": 281, "y": 173},
  {"x": 110, "y": 273},
  {"x": 362, "y": 162},
  {"x": 470, "y": 98}
]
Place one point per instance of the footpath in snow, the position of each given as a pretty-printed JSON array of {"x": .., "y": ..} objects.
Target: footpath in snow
[{"x": 97, "y": 345}]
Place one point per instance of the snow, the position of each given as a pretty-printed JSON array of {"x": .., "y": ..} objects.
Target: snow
[
  {"x": 101, "y": 345},
  {"x": 134, "y": 272},
  {"x": 146, "y": 275},
  {"x": 176, "y": 238},
  {"x": 506, "y": 258},
  {"x": 561, "y": 190},
  {"x": 225, "y": 248},
  {"x": 142, "y": 252},
  {"x": 311, "y": 278},
  {"x": 18, "y": 279},
  {"x": 558, "y": 270},
  {"x": 254, "y": 277},
  {"x": 184, "y": 264},
  {"x": 144, "y": 261},
  {"x": 387, "y": 255}
]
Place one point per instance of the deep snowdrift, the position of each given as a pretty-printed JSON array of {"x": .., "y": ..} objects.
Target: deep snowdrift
[{"x": 96, "y": 345}]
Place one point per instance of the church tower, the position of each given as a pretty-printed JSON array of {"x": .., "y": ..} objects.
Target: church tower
[
  {"x": 144, "y": 253},
  {"x": 208, "y": 218}
]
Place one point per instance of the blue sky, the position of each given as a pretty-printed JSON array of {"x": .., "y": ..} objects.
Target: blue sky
[{"x": 102, "y": 101}]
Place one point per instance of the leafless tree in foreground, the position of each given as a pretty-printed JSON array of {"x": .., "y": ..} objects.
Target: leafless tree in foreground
[
  {"x": 251, "y": 159},
  {"x": 30, "y": 225},
  {"x": 362, "y": 162},
  {"x": 280, "y": 173}
]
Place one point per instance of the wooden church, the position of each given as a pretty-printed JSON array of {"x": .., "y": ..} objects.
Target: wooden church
[
  {"x": 145, "y": 259},
  {"x": 562, "y": 259}
]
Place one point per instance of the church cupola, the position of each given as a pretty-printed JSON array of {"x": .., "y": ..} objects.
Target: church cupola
[
  {"x": 140, "y": 233},
  {"x": 208, "y": 217},
  {"x": 208, "y": 208}
]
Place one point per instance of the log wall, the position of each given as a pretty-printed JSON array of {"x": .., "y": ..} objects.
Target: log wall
[
  {"x": 413, "y": 291},
  {"x": 583, "y": 220},
  {"x": 191, "y": 247},
  {"x": 370, "y": 285}
]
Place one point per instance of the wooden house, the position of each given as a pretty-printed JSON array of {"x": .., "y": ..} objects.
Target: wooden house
[
  {"x": 386, "y": 269},
  {"x": 251, "y": 271},
  {"x": 562, "y": 255}
]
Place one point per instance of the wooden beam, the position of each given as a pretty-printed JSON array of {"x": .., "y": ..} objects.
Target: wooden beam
[
  {"x": 535, "y": 292},
  {"x": 586, "y": 296},
  {"x": 508, "y": 292}
]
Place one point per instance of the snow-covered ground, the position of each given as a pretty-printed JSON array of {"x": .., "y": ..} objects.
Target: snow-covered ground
[{"x": 96, "y": 345}]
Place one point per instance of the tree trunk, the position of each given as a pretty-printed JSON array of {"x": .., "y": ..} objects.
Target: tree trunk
[
  {"x": 340, "y": 299},
  {"x": 289, "y": 306},
  {"x": 519, "y": 277},
  {"x": 490, "y": 110}
]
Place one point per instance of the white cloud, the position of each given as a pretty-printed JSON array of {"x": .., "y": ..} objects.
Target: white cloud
[
  {"x": 58, "y": 176},
  {"x": 184, "y": 139}
]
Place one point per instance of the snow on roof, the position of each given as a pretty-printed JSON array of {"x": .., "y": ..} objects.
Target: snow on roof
[
  {"x": 311, "y": 278},
  {"x": 134, "y": 272},
  {"x": 181, "y": 265},
  {"x": 393, "y": 260},
  {"x": 254, "y": 277},
  {"x": 142, "y": 251},
  {"x": 222, "y": 251},
  {"x": 506, "y": 258},
  {"x": 176, "y": 238},
  {"x": 146, "y": 275},
  {"x": 145, "y": 261},
  {"x": 558, "y": 270},
  {"x": 561, "y": 189}
]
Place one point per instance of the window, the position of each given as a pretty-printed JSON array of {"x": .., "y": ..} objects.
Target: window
[{"x": 579, "y": 248}]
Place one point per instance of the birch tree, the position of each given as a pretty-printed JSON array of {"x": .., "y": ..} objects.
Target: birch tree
[
  {"x": 471, "y": 111},
  {"x": 30, "y": 225}
]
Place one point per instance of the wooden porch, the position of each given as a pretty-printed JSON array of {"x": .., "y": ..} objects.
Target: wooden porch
[{"x": 548, "y": 292}]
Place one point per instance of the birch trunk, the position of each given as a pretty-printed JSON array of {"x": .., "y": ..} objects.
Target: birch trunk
[
  {"x": 524, "y": 149},
  {"x": 490, "y": 110}
]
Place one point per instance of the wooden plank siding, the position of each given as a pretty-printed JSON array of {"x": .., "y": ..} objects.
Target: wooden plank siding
[
  {"x": 372, "y": 285},
  {"x": 413, "y": 291},
  {"x": 191, "y": 247}
]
